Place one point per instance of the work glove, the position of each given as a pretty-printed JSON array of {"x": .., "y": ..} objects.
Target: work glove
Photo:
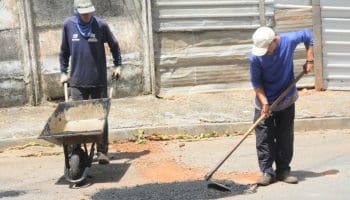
[
  {"x": 64, "y": 77},
  {"x": 116, "y": 72}
]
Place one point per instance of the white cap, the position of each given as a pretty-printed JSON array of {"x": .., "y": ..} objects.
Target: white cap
[
  {"x": 262, "y": 39},
  {"x": 84, "y": 6}
]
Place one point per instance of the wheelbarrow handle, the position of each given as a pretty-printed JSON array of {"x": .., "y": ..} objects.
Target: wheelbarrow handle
[
  {"x": 65, "y": 87},
  {"x": 111, "y": 92},
  {"x": 112, "y": 82}
]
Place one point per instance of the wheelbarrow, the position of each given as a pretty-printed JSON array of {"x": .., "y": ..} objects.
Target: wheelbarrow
[{"x": 74, "y": 124}]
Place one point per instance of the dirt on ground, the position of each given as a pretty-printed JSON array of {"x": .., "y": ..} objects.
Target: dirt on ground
[{"x": 160, "y": 166}]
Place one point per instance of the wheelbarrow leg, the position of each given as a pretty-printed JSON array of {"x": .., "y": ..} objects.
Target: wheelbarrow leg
[
  {"x": 66, "y": 159},
  {"x": 91, "y": 156}
]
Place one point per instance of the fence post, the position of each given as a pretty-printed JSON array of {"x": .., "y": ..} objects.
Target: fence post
[
  {"x": 262, "y": 12},
  {"x": 28, "y": 43},
  {"x": 317, "y": 31},
  {"x": 155, "y": 88}
]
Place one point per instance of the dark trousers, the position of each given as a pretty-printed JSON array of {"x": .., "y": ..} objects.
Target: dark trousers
[
  {"x": 82, "y": 93},
  {"x": 275, "y": 139}
]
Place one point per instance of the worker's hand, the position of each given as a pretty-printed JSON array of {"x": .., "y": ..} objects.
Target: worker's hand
[
  {"x": 308, "y": 66},
  {"x": 64, "y": 77},
  {"x": 265, "y": 110},
  {"x": 116, "y": 72}
]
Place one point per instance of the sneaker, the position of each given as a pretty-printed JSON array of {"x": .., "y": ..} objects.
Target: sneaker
[
  {"x": 287, "y": 178},
  {"x": 265, "y": 179},
  {"x": 102, "y": 158}
]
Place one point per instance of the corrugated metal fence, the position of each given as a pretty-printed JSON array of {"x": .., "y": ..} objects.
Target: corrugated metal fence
[
  {"x": 293, "y": 15},
  {"x": 203, "y": 45},
  {"x": 336, "y": 40},
  {"x": 198, "y": 15},
  {"x": 200, "y": 44}
]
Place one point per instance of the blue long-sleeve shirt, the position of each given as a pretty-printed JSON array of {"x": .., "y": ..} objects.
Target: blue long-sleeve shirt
[
  {"x": 87, "y": 56},
  {"x": 275, "y": 72}
]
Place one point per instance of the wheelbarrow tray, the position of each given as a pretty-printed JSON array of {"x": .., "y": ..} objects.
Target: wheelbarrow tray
[{"x": 77, "y": 122}]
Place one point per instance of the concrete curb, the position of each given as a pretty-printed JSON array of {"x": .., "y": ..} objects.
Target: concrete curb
[{"x": 304, "y": 124}]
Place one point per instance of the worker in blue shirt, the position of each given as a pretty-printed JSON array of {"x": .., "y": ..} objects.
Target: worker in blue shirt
[
  {"x": 272, "y": 70},
  {"x": 82, "y": 47}
]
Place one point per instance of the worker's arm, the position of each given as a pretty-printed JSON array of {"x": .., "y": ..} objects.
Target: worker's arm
[
  {"x": 115, "y": 50},
  {"x": 257, "y": 82},
  {"x": 305, "y": 36},
  {"x": 309, "y": 58},
  {"x": 64, "y": 56},
  {"x": 265, "y": 107}
]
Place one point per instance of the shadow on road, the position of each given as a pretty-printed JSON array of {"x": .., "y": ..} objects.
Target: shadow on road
[
  {"x": 11, "y": 193},
  {"x": 112, "y": 172},
  {"x": 303, "y": 175},
  {"x": 127, "y": 155},
  {"x": 180, "y": 190},
  {"x": 100, "y": 174}
]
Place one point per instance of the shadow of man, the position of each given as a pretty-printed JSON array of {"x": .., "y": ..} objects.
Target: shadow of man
[{"x": 303, "y": 175}]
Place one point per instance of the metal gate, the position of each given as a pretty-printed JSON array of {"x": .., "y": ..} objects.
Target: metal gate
[{"x": 336, "y": 43}]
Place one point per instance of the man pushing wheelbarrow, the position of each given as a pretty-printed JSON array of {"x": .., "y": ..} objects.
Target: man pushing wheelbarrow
[
  {"x": 83, "y": 39},
  {"x": 82, "y": 49}
]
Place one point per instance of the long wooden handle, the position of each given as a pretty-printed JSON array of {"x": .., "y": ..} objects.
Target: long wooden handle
[
  {"x": 211, "y": 173},
  {"x": 262, "y": 117}
]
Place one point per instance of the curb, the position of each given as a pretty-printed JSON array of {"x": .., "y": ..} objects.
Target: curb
[
  {"x": 124, "y": 134},
  {"x": 304, "y": 124}
]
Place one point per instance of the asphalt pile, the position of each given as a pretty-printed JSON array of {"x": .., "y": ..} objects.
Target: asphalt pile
[{"x": 180, "y": 190}]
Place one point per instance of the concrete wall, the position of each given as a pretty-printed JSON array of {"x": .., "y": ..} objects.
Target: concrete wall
[
  {"x": 12, "y": 86},
  {"x": 30, "y": 36},
  {"x": 124, "y": 20}
]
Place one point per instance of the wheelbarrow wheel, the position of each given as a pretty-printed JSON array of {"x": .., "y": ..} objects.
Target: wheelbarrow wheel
[{"x": 77, "y": 163}]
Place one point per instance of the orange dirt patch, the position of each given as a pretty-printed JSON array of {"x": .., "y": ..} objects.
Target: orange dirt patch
[
  {"x": 158, "y": 166},
  {"x": 240, "y": 177}
]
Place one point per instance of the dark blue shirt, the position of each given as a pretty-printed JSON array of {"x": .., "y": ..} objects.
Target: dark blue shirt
[
  {"x": 87, "y": 56},
  {"x": 275, "y": 72}
]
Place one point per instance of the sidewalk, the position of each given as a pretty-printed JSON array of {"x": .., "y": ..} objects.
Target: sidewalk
[{"x": 229, "y": 112}]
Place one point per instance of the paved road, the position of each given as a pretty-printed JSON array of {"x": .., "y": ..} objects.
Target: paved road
[{"x": 321, "y": 162}]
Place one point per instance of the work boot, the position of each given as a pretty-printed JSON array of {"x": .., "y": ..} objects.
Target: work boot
[
  {"x": 287, "y": 177},
  {"x": 102, "y": 158},
  {"x": 265, "y": 179}
]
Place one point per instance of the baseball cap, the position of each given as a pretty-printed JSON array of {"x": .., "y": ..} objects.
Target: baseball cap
[
  {"x": 262, "y": 39},
  {"x": 84, "y": 6}
]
